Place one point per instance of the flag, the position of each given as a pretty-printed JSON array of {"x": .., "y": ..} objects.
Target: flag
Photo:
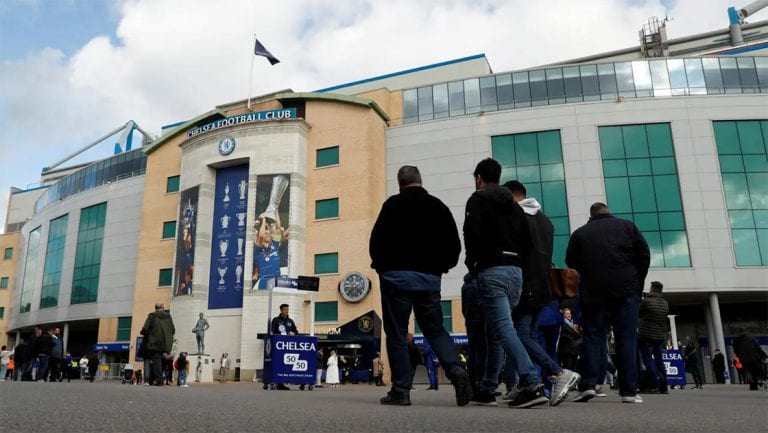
[{"x": 259, "y": 50}]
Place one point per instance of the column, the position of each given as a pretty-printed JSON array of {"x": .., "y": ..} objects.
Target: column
[
  {"x": 65, "y": 337},
  {"x": 714, "y": 306},
  {"x": 673, "y": 330}
]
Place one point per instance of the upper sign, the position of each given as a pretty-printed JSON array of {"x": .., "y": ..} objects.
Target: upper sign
[{"x": 259, "y": 116}]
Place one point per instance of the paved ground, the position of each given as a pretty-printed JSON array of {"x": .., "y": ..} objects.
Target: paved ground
[{"x": 111, "y": 407}]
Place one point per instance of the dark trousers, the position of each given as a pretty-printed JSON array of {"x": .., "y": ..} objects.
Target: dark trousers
[
  {"x": 654, "y": 368},
  {"x": 156, "y": 376},
  {"x": 396, "y": 306},
  {"x": 548, "y": 336},
  {"x": 54, "y": 368},
  {"x": 474, "y": 321}
]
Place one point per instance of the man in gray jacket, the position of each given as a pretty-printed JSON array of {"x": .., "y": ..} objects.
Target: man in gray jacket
[{"x": 651, "y": 334}]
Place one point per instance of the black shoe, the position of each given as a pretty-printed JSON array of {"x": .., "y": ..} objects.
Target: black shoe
[
  {"x": 484, "y": 398},
  {"x": 463, "y": 386},
  {"x": 394, "y": 398},
  {"x": 529, "y": 398}
]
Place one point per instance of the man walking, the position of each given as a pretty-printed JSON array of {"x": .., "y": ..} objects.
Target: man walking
[
  {"x": 652, "y": 334},
  {"x": 158, "y": 330},
  {"x": 612, "y": 257},
  {"x": 497, "y": 240},
  {"x": 410, "y": 270}
]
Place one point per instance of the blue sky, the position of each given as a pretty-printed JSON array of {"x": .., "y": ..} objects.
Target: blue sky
[{"x": 72, "y": 70}]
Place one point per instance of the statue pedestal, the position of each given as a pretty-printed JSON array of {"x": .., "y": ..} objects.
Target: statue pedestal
[{"x": 208, "y": 365}]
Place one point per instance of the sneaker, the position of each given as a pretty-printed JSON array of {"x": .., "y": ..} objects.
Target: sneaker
[
  {"x": 529, "y": 398},
  {"x": 562, "y": 385},
  {"x": 511, "y": 394},
  {"x": 394, "y": 398},
  {"x": 463, "y": 387},
  {"x": 185, "y": 386},
  {"x": 483, "y": 398},
  {"x": 600, "y": 394},
  {"x": 585, "y": 396},
  {"x": 632, "y": 399}
]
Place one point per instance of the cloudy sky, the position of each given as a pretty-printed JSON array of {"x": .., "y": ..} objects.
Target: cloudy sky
[{"x": 72, "y": 70}]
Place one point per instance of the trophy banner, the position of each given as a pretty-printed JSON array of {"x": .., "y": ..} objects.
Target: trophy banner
[
  {"x": 225, "y": 289},
  {"x": 186, "y": 234},
  {"x": 270, "y": 243}
]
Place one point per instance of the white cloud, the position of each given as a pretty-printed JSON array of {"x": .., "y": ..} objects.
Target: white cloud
[{"x": 174, "y": 59}]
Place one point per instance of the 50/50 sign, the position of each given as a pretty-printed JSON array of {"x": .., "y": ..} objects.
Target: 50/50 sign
[{"x": 290, "y": 359}]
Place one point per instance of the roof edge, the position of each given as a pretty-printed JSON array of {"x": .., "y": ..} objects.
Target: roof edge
[
  {"x": 334, "y": 97},
  {"x": 183, "y": 126}
]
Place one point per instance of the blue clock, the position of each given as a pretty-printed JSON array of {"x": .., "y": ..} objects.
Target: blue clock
[{"x": 226, "y": 145}]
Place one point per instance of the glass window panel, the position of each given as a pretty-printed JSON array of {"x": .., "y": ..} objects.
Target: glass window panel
[
  {"x": 507, "y": 174},
  {"x": 624, "y": 80},
  {"x": 617, "y": 195},
  {"x": 660, "y": 78},
  {"x": 747, "y": 74},
  {"x": 758, "y": 190},
  {"x": 555, "y": 86},
  {"x": 746, "y": 247},
  {"x": 560, "y": 244},
  {"x": 607, "y": 80},
  {"x": 761, "y": 68},
  {"x": 762, "y": 240},
  {"x": 727, "y": 138},
  {"x": 488, "y": 93},
  {"x": 534, "y": 190},
  {"x": 327, "y": 263},
  {"x": 639, "y": 167},
  {"x": 750, "y": 137},
  {"x": 667, "y": 193},
  {"x": 736, "y": 195},
  {"x": 328, "y": 208},
  {"x": 522, "y": 90},
  {"x": 327, "y": 311},
  {"x": 663, "y": 165},
  {"x": 504, "y": 91},
  {"x": 538, "y": 87},
  {"x": 169, "y": 229},
  {"x": 550, "y": 172},
  {"x": 712, "y": 76},
  {"x": 671, "y": 221},
  {"x": 549, "y": 147},
  {"x": 526, "y": 149},
  {"x": 676, "y": 253},
  {"x": 646, "y": 221},
  {"x": 554, "y": 199},
  {"x": 635, "y": 141},
  {"x": 528, "y": 173},
  {"x": 456, "y": 98},
  {"x": 327, "y": 156},
  {"x": 741, "y": 219},
  {"x": 425, "y": 103},
  {"x": 614, "y": 167},
  {"x": 503, "y": 150},
  {"x": 589, "y": 84},
  {"x": 659, "y": 139},
  {"x": 642, "y": 78},
  {"x": 643, "y": 197},
  {"x": 695, "y": 74},
  {"x": 561, "y": 225},
  {"x": 677, "y": 78},
  {"x": 611, "y": 142},
  {"x": 657, "y": 251},
  {"x": 164, "y": 277},
  {"x": 440, "y": 100},
  {"x": 572, "y": 83},
  {"x": 754, "y": 163},
  {"x": 730, "y": 74},
  {"x": 472, "y": 95}
]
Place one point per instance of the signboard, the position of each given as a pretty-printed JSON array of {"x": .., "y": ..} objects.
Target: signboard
[
  {"x": 458, "y": 340},
  {"x": 309, "y": 284},
  {"x": 675, "y": 366},
  {"x": 290, "y": 359},
  {"x": 111, "y": 347},
  {"x": 228, "y": 238},
  {"x": 258, "y": 116}
]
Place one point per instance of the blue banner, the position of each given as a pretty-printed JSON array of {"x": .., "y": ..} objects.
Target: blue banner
[
  {"x": 675, "y": 365},
  {"x": 111, "y": 347},
  {"x": 228, "y": 238},
  {"x": 458, "y": 340},
  {"x": 290, "y": 359}
]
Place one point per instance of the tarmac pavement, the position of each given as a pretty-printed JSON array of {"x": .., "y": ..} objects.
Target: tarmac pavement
[{"x": 235, "y": 407}]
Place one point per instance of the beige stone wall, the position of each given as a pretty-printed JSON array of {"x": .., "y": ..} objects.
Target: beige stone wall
[
  {"x": 8, "y": 269},
  {"x": 390, "y": 102},
  {"x": 107, "y": 330}
]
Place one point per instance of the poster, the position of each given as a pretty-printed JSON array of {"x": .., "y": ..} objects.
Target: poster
[
  {"x": 186, "y": 234},
  {"x": 270, "y": 243},
  {"x": 228, "y": 238}
]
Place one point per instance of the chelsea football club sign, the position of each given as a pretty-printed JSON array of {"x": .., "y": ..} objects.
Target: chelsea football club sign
[
  {"x": 290, "y": 359},
  {"x": 258, "y": 116}
]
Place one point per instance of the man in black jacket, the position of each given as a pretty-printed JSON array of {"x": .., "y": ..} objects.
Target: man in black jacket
[
  {"x": 497, "y": 241},
  {"x": 612, "y": 257},
  {"x": 43, "y": 346},
  {"x": 158, "y": 331},
  {"x": 652, "y": 334},
  {"x": 414, "y": 242}
]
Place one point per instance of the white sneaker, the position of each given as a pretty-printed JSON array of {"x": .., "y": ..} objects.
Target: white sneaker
[
  {"x": 562, "y": 385},
  {"x": 632, "y": 399},
  {"x": 185, "y": 386},
  {"x": 511, "y": 394},
  {"x": 585, "y": 396}
]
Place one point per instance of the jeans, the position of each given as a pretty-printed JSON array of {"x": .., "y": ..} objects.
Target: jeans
[
  {"x": 182, "y": 377},
  {"x": 396, "y": 306},
  {"x": 527, "y": 324},
  {"x": 3, "y": 371},
  {"x": 548, "y": 336},
  {"x": 622, "y": 315},
  {"x": 655, "y": 368},
  {"x": 474, "y": 321},
  {"x": 499, "y": 289},
  {"x": 42, "y": 372}
]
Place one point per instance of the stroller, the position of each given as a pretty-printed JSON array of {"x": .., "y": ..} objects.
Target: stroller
[{"x": 126, "y": 375}]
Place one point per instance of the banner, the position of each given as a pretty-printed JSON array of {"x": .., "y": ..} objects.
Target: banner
[
  {"x": 290, "y": 359},
  {"x": 228, "y": 238},
  {"x": 270, "y": 244},
  {"x": 675, "y": 366},
  {"x": 186, "y": 234}
]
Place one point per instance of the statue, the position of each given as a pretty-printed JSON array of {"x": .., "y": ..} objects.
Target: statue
[{"x": 199, "y": 331}]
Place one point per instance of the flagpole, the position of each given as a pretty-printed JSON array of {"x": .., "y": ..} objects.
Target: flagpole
[{"x": 250, "y": 76}]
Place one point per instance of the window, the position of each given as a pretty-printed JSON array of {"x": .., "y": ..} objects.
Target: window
[
  {"x": 327, "y": 311},
  {"x": 123, "y": 329},
  {"x": 327, "y": 263},
  {"x": 54, "y": 256},
  {"x": 165, "y": 277},
  {"x": 90, "y": 240},
  {"x": 536, "y": 160},
  {"x": 328, "y": 156},
  {"x": 4, "y": 282},
  {"x": 742, "y": 149},
  {"x": 2, "y": 312},
  {"x": 641, "y": 185},
  {"x": 172, "y": 184},
  {"x": 8, "y": 254},
  {"x": 30, "y": 271},
  {"x": 328, "y": 208},
  {"x": 169, "y": 229}
]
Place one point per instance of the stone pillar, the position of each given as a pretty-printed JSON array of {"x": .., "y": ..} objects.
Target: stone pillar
[
  {"x": 717, "y": 323},
  {"x": 65, "y": 337},
  {"x": 673, "y": 330}
]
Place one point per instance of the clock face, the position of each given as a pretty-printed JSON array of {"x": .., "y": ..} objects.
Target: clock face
[
  {"x": 354, "y": 286},
  {"x": 226, "y": 145}
]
